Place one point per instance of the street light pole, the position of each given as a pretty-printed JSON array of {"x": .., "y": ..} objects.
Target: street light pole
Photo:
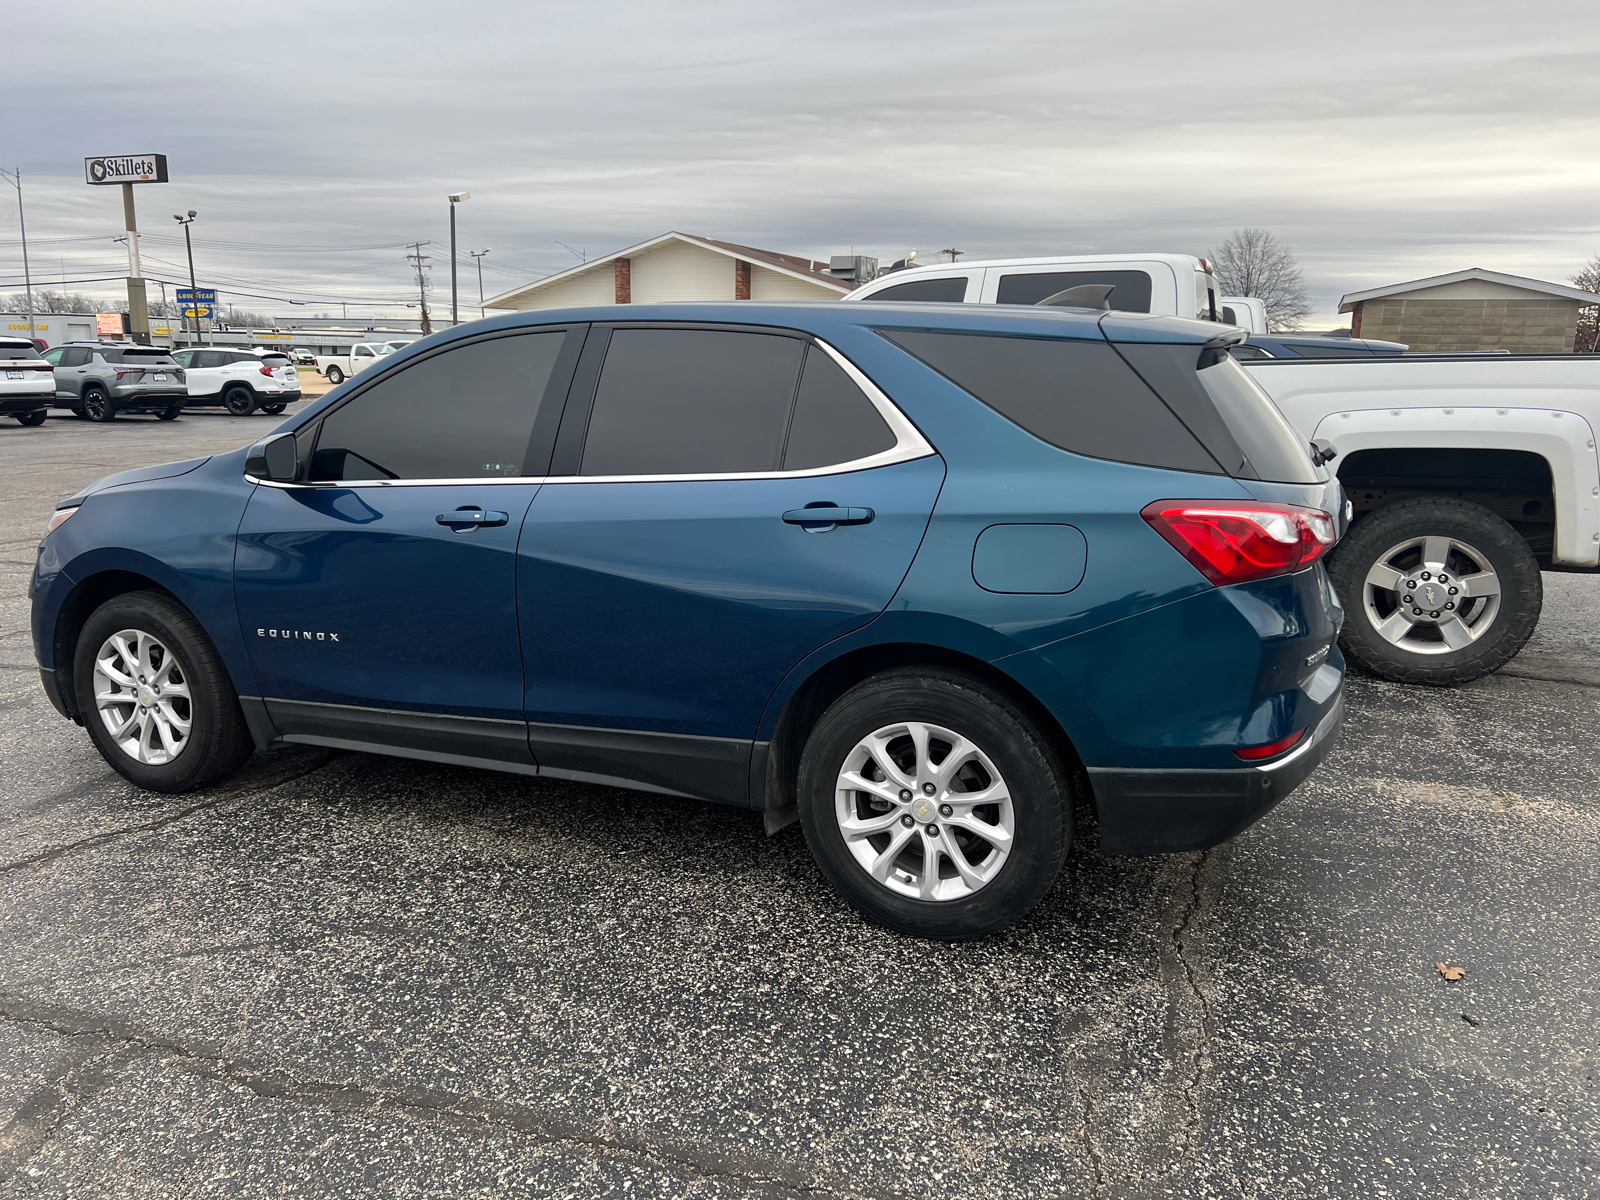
[
  {"x": 455, "y": 199},
  {"x": 194, "y": 288},
  {"x": 478, "y": 255},
  {"x": 27, "y": 276}
]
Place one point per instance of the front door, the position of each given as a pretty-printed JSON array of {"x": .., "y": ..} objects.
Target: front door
[
  {"x": 668, "y": 586},
  {"x": 378, "y": 598},
  {"x": 70, "y": 372}
]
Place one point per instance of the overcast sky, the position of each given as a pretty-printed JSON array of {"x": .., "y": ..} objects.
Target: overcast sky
[{"x": 1383, "y": 142}]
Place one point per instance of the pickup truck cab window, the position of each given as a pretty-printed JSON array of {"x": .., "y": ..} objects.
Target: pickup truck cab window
[
  {"x": 1130, "y": 290},
  {"x": 952, "y": 289}
]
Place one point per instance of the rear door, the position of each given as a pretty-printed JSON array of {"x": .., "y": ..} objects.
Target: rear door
[
  {"x": 204, "y": 376},
  {"x": 668, "y": 575}
]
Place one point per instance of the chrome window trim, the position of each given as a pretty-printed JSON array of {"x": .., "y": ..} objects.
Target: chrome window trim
[{"x": 909, "y": 445}]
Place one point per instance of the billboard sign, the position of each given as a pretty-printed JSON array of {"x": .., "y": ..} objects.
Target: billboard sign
[
  {"x": 189, "y": 295},
  {"x": 126, "y": 168},
  {"x": 108, "y": 323},
  {"x": 199, "y": 312}
]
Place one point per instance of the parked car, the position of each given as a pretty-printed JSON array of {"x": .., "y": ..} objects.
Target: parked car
[
  {"x": 1179, "y": 285},
  {"x": 1468, "y": 475},
  {"x": 241, "y": 381},
  {"x": 336, "y": 368},
  {"x": 27, "y": 382},
  {"x": 99, "y": 380},
  {"x": 1310, "y": 345},
  {"x": 301, "y": 357},
  {"x": 914, "y": 577}
]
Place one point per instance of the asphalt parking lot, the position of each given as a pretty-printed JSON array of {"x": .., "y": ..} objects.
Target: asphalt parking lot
[{"x": 348, "y": 975}]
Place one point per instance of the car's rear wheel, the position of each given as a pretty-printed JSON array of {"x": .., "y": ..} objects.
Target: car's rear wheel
[
  {"x": 97, "y": 405},
  {"x": 335, "y": 376},
  {"x": 240, "y": 401},
  {"x": 274, "y": 409},
  {"x": 1436, "y": 590},
  {"x": 170, "y": 414},
  {"x": 155, "y": 697},
  {"x": 934, "y": 804},
  {"x": 33, "y": 418}
]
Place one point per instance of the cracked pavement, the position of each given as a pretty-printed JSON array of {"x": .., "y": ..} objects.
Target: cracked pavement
[{"x": 346, "y": 975}]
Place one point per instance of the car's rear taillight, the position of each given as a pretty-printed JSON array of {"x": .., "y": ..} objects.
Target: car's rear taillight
[
  {"x": 267, "y": 371},
  {"x": 1231, "y": 542},
  {"x": 1271, "y": 749}
]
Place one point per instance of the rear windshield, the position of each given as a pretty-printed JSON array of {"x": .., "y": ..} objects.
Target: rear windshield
[
  {"x": 275, "y": 360},
  {"x": 144, "y": 352},
  {"x": 14, "y": 350}
]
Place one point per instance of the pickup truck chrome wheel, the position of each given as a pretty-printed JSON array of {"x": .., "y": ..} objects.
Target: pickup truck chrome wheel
[
  {"x": 1432, "y": 595},
  {"x": 141, "y": 693},
  {"x": 335, "y": 376},
  {"x": 924, "y": 811}
]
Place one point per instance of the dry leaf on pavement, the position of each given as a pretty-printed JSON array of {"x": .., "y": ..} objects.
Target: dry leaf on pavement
[{"x": 1450, "y": 973}]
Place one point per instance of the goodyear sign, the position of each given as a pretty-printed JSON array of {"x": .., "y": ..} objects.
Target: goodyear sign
[{"x": 126, "y": 168}]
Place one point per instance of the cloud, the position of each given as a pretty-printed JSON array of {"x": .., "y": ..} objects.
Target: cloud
[{"x": 1380, "y": 141}]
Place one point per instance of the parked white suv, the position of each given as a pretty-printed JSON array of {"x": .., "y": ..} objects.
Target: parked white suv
[
  {"x": 27, "y": 382},
  {"x": 241, "y": 381},
  {"x": 1176, "y": 285}
]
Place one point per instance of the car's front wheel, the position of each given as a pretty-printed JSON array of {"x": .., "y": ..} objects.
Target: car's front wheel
[
  {"x": 155, "y": 697},
  {"x": 97, "y": 405},
  {"x": 934, "y": 804},
  {"x": 33, "y": 418},
  {"x": 1436, "y": 590}
]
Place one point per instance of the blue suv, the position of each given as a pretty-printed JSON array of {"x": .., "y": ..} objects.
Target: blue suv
[{"x": 919, "y": 576}]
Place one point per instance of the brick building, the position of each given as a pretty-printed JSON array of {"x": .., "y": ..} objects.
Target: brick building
[
  {"x": 679, "y": 266},
  {"x": 1468, "y": 310}
]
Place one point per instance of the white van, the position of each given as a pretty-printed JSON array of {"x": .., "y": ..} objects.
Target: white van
[
  {"x": 1178, "y": 285},
  {"x": 1247, "y": 312}
]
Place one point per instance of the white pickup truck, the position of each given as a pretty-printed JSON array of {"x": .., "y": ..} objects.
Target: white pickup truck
[
  {"x": 1467, "y": 475},
  {"x": 336, "y": 368}
]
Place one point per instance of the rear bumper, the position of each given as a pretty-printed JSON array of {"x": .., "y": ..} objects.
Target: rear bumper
[
  {"x": 26, "y": 404},
  {"x": 1171, "y": 811}
]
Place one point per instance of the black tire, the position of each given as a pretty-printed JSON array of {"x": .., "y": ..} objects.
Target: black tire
[
  {"x": 1423, "y": 654},
  {"x": 1031, "y": 767},
  {"x": 273, "y": 410},
  {"x": 218, "y": 741},
  {"x": 97, "y": 405},
  {"x": 170, "y": 414},
  {"x": 334, "y": 376},
  {"x": 240, "y": 401},
  {"x": 33, "y": 418}
]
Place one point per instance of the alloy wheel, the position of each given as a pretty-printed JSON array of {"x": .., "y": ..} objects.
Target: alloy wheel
[
  {"x": 1431, "y": 595},
  {"x": 924, "y": 811},
  {"x": 142, "y": 695}
]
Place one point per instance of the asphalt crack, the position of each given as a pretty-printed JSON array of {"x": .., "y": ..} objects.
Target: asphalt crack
[
  {"x": 301, "y": 765},
  {"x": 121, "y": 1043},
  {"x": 1186, "y": 955}
]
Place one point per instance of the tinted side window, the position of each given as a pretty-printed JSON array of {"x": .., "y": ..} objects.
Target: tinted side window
[
  {"x": 1079, "y": 396},
  {"x": 690, "y": 401},
  {"x": 833, "y": 420},
  {"x": 954, "y": 290},
  {"x": 465, "y": 413},
  {"x": 75, "y": 356},
  {"x": 1130, "y": 291}
]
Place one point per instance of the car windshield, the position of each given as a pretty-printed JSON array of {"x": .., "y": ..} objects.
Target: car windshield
[{"x": 383, "y": 349}]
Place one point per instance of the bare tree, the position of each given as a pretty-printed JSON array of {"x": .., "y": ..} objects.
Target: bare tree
[
  {"x": 1588, "y": 338},
  {"x": 46, "y": 301},
  {"x": 1252, "y": 262}
]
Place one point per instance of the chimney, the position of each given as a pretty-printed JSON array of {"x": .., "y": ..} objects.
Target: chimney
[
  {"x": 741, "y": 280},
  {"x": 624, "y": 269}
]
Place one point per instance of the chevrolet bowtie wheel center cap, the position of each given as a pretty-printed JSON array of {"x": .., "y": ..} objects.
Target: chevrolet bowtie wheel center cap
[{"x": 924, "y": 810}]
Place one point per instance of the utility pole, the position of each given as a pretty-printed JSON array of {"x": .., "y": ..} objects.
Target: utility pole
[
  {"x": 27, "y": 277},
  {"x": 478, "y": 254},
  {"x": 455, "y": 316},
  {"x": 194, "y": 288},
  {"x": 418, "y": 258},
  {"x": 954, "y": 254}
]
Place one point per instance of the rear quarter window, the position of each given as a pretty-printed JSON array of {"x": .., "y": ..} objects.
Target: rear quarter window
[
  {"x": 950, "y": 290},
  {"x": 1130, "y": 290},
  {"x": 1079, "y": 396}
]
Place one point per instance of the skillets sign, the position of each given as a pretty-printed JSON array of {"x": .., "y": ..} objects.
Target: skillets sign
[{"x": 126, "y": 168}]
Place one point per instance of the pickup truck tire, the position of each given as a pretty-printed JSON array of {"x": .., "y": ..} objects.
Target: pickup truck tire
[
  {"x": 240, "y": 401},
  {"x": 1436, "y": 590},
  {"x": 97, "y": 405},
  {"x": 33, "y": 418},
  {"x": 335, "y": 376}
]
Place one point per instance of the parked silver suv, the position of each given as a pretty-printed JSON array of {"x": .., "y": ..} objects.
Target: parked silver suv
[{"x": 98, "y": 380}]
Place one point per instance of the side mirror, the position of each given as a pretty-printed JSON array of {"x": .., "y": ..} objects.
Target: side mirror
[{"x": 275, "y": 458}]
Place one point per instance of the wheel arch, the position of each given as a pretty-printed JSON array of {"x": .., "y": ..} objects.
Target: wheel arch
[
  {"x": 774, "y": 778},
  {"x": 81, "y": 601}
]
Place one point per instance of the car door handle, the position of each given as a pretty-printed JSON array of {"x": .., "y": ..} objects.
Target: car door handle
[
  {"x": 828, "y": 515},
  {"x": 472, "y": 516}
]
